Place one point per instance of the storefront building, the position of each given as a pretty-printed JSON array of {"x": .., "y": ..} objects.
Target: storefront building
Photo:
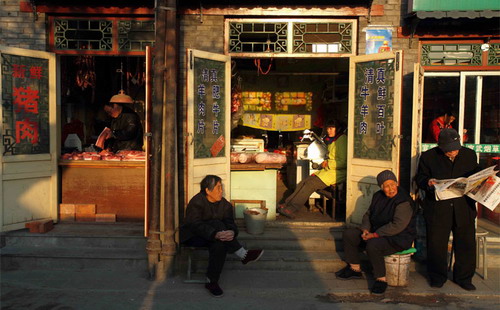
[
  {"x": 459, "y": 54},
  {"x": 290, "y": 68}
]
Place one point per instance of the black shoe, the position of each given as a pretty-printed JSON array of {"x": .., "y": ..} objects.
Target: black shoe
[
  {"x": 437, "y": 284},
  {"x": 467, "y": 286},
  {"x": 379, "y": 287},
  {"x": 214, "y": 289},
  {"x": 252, "y": 256},
  {"x": 347, "y": 273}
]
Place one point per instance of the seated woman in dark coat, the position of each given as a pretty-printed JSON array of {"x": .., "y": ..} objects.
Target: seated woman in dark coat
[
  {"x": 210, "y": 223},
  {"x": 388, "y": 227}
]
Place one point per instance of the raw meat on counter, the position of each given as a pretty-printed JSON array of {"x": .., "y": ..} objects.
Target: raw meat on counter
[
  {"x": 242, "y": 158},
  {"x": 270, "y": 158},
  {"x": 106, "y": 155}
]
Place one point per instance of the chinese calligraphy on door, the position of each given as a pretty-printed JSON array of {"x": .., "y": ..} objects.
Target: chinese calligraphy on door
[{"x": 25, "y": 128}]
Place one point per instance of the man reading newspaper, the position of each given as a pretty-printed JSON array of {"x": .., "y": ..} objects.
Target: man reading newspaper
[{"x": 457, "y": 213}]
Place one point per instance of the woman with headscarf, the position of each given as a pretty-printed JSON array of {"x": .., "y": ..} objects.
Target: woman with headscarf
[
  {"x": 388, "y": 226},
  {"x": 333, "y": 170}
]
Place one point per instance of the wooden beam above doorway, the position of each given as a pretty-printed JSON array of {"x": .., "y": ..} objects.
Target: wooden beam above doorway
[{"x": 376, "y": 10}]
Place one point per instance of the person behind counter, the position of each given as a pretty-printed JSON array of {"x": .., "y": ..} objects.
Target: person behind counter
[
  {"x": 125, "y": 132},
  {"x": 333, "y": 170}
]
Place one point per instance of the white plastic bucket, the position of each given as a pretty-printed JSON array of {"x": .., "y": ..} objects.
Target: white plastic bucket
[
  {"x": 397, "y": 269},
  {"x": 255, "y": 220}
]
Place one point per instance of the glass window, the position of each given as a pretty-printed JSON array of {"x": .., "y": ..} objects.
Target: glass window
[
  {"x": 470, "y": 109},
  {"x": 490, "y": 111},
  {"x": 441, "y": 96}
]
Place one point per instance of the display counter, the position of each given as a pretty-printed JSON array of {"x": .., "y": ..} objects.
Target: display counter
[
  {"x": 255, "y": 182},
  {"x": 116, "y": 187}
]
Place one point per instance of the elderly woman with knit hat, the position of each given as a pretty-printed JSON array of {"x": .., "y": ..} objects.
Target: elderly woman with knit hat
[{"x": 388, "y": 226}]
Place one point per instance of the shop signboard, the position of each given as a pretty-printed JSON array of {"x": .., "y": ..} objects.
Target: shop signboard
[
  {"x": 209, "y": 118},
  {"x": 25, "y": 105},
  {"x": 478, "y": 148},
  {"x": 374, "y": 126},
  {"x": 374, "y": 109}
]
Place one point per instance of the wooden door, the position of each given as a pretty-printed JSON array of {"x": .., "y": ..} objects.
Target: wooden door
[
  {"x": 30, "y": 145},
  {"x": 208, "y": 119},
  {"x": 374, "y": 126},
  {"x": 418, "y": 106}
]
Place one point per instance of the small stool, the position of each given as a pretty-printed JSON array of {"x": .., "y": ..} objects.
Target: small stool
[
  {"x": 335, "y": 193},
  {"x": 482, "y": 246},
  {"x": 190, "y": 250}
]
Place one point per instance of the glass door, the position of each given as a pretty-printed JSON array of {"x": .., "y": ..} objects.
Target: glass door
[{"x": 472, "y": 100}]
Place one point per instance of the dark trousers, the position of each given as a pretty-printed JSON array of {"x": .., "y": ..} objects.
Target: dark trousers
[
  {"x": 302, "y": 192},
  {"x": 464, "y": 247},
  {"x": 217, "y": 251},
  {"x": 376, "y": 249}
]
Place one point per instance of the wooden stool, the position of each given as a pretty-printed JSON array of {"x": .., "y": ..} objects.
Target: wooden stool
[
  {"x": 190, "y": 250},
  {"x": 335, "y": 193},
  {"x": 482, "y": 246}
]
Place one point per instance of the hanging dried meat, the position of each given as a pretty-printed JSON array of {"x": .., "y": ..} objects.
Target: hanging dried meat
[{"x": 85, "y": 74}]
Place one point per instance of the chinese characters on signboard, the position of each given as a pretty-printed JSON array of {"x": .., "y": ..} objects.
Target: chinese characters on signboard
[
  {"x": 374, "y": 110},
  {"x": 209, "y": 110},
  {"x": 25, "y": 106}
]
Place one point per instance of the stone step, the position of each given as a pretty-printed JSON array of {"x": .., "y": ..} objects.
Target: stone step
[
  {"x": 297, "y": 239},
  {"x": 320, "y": 261},
  {"x": 73, "y": 258},
  {"x": 30, "y": 240}
]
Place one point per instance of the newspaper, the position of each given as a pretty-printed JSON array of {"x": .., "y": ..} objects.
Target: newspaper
[{"x": 483, "y": 187}]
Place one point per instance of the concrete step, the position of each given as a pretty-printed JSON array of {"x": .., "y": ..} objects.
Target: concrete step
[
  {"x": 56, "y": 258},
  {"x": 320, "y": 261},
  {"x": 76, "y": 246},
  {"x": 296, "y": 239},
  {"x": 30, "y": 240}
]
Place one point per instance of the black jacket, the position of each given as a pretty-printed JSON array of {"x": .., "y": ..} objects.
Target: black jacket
[
  {"x": 435, "y": 164},
  {"x": 127, "y": 132},
  {"x": 205, "y": 219},
  {"x": 380, "y": 218}
]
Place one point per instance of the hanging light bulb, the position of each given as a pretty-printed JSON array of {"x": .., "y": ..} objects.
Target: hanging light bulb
[{"x": 121, "y": 97}]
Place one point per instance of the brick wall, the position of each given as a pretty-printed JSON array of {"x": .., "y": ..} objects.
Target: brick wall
[{"x": 18, "y": 29}]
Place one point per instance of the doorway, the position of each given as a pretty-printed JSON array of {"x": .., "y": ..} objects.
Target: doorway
[
  {"x": 473, "y": 99},
  {"x": 313, "y": 90}
]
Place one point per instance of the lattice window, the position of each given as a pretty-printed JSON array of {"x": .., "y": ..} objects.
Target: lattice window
[
  {"x": 255, "y": 37},
  {"x": 451, "y": 55},
  {"x": 288, "y": 38},
  {"x": 103, "y": 36},
  {"x": 134, "y": 35},
  {"x": 322, "y": 37},
  {"x": 494, "y": 55},
  {"x": 81, "y": 34}
]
